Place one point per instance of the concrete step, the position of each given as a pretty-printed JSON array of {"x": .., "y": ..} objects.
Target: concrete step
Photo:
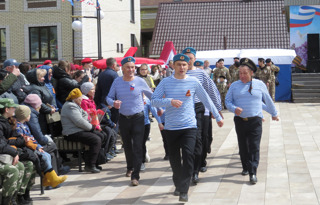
[
  {"x": 306, "y": 78},
  {"x": 306, "y": 100},
  {"x": 305, "y": 74},
  {"x": 296, "y": 95},
  {"x": 306, "y": 82},
  {"x": 306, "y": 87},
  {"x": 303, "y": 90}
]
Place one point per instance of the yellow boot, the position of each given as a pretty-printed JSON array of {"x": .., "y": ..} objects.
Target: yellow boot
[{"x": 54, "y": 179}]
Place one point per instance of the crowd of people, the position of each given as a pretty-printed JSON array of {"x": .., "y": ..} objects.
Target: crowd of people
[{"x": 96, "y": 105}]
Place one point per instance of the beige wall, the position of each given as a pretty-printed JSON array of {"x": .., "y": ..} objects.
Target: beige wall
[
  {"x": 115, "y": 28},
  {"x": 18, "y": 18}
]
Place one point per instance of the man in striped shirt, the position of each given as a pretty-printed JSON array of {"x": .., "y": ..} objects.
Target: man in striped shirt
[
  {"x": 177, "y": 94},
  {"x": 211, "y": 89},
  {"x": 245, "y": 98},
  {"x": 126, "y": 94}
]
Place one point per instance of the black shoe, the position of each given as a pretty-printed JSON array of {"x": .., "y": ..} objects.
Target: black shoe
[
  {"x": 203, "y": 169},
  {"x": 176, "y": 192},
  {"x": 99, "y": 167},
  {"x": 91, "y": 169},
  {"x": 244, "y": 172},
  {"x": 166, "y": 157},
  {"x": 209, "y": 150},
  {"x": 22, "y": 201},
  {"x": 195, "y": 178},
  {"x": 183, "y": 197},
  {"x": 253, "y": 179},
  {"x": 26, "y": 195}
]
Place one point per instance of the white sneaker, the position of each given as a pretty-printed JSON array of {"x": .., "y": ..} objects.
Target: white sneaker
[{"x": 147, "y": 156}]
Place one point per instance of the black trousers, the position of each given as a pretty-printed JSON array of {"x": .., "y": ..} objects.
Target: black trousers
[
  {"x": 199, "y": 110},
  {"x": 114, "y": 115},
  {"x": 132, "y": 130},
  {"x": 164, "y": 140},
  {"x": 92, "y": 140},
  {"x": 145, "y": 138},
  {"x": 206, "y": 130},
  {"x": 185, "y": 141},
  {"x": 249, "y": 137}
]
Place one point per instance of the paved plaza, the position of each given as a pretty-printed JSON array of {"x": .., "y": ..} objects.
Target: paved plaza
[{"x": 289, "y": 170}]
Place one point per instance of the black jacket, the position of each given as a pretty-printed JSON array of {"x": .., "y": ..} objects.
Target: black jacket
[
  {"x": 65, "y": 83},
  {"x": 16, "y": 90},
  {"x": 41, "y": 90},
  {"x": 5, "y": 133}
]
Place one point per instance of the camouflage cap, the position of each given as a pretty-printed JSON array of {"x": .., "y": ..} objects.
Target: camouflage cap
[{"x": 7, "y": 102}]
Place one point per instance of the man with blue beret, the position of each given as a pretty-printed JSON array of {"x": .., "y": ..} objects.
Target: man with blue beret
[
  {"x": 245, "y": 98},
  {"x": 126, "y": 94},
  {"x": 198, "y": 64},
  {"x": 211, "y": 89},
  {"x": 180, "y": 128}
]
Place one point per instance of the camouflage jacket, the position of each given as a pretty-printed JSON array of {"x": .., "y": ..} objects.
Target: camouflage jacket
[
  {"x": 263, "y": 74},
  {"x": 274, "y": 69},
  {"x": 221, "y": 72},
  {"x": 234, "y": 73}
]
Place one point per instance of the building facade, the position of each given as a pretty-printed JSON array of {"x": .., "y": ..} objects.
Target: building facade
[{"x": 36, "y": 30}]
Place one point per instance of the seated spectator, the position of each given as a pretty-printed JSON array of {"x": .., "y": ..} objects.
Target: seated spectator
[
  {"x": 77, "y": 128},
  {"x": 11, "y": 78},
  {"x": 88, "y": 105},
  {"x": 50, "y": 177},
  {"x": 37, "y": 86},
  {"x": 34, "y": 102},
  {"x": 143, "y": 73},
  {"x": 11, "y": 65},
  {"x": 9, "y": 134},
  {"x": 64, "y": 81}
]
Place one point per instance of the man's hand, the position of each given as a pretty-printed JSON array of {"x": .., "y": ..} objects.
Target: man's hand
[
  {"x": 160, "y": 125},
  {"x": 15, "y": 160},
  {"x": 238, "y": 111},
  {"x": 41, "y": 150},
  {"x": 220, "y": 123},
  {"x": 16, "y": 71},
  {"x": 176, "y": 103},
  {"x": 117, "y": 104},
  {"x": 276, "y": 118},
  {"x": 160, "y": 112}
]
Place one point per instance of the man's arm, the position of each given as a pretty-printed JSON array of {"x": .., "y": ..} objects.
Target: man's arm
[
  {"x": 212, "y": 91},
  {"x": 7, "y": 83}
]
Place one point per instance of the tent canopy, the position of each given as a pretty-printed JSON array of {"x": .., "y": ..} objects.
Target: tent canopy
[{"x": 280, "y": 57}]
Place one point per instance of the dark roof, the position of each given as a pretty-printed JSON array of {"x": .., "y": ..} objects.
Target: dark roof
[
  {"x": 156, "y": 2},
  {"x": 216, "y": 25}
]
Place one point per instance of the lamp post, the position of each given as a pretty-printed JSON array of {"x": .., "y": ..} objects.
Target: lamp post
[{"x": 77, "y": 26}]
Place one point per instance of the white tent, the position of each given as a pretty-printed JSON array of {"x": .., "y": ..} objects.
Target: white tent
[{"x": 278, "y": 56}]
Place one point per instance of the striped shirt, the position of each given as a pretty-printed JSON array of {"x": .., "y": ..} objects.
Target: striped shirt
[
  {"x": 183, "y": 90},
  {"x": 238, "y": 96},
  {"x": 208, "y": 85},
  {"x": 130, "y": 94},
  {"x": 147, "y": 109}
]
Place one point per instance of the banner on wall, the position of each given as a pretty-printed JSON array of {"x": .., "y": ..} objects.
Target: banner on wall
[
  {"x": 88, "y": 2},
  {"x": 303, "y": 20}
]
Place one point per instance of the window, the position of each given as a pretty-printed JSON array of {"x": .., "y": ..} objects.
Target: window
[
  {"x": 132, "y": 11},
  {"x": 41, "y": 3},
  {"x": 43, "y": 43},
  {"x": 2, "y": 5},
  {"x": 121, "y": 48},
  {"x": 3, "y": 46},
  {"x": 118, "y": 47}
]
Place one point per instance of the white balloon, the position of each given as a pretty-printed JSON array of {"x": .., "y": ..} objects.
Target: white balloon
[{"x": 101, "y": 14}]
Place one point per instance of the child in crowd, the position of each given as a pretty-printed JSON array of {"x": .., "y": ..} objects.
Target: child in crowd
[{"x": 50, "y": 177}]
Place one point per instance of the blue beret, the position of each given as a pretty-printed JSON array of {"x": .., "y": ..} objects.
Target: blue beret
[
  {"x": 128, "y": 59},
  {"x": 189, "y": 50},
  {"x": 181, "y": 57},
  {"x": 198, "y": 63}
]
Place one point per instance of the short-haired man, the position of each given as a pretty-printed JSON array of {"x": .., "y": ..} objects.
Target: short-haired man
[
  {"x": 213, "y": 92},
  {"x": 170, "y": 69},
  {"x": 126, "y": 94},
  {"x": 206, "y": 67},
  {"x": 221, "y": 71},
  {"x": 263, "y": 73},
  {"x": 245, "y": 98},
  {"x": 180, "y": 122},
  {"x": 274, "y": 72},
  {"x": 234, "y": 70}
]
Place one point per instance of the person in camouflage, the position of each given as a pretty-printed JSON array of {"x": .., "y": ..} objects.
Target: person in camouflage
[
  {"x": 221, "y": 71},
  {"x": 235, "y": 59},
  {"x": 263, "y": 73},
  {"x": 234, "y": 71},
  {"x": 222, "y": 87},
  {"x": 274, "y": 71},
  {"x": 25, "y": 168}
]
